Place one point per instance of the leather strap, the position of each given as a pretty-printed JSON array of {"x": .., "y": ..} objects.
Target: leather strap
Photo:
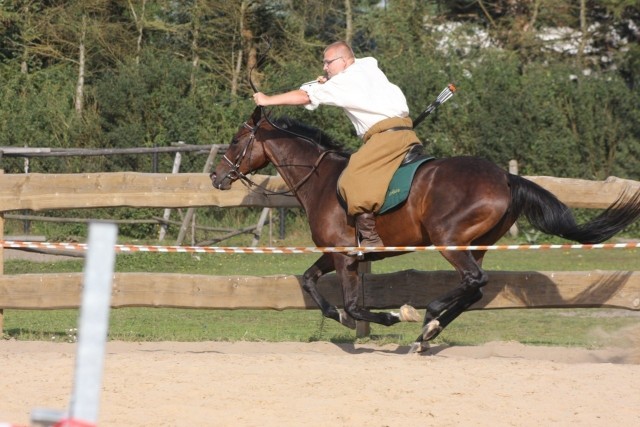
[{"x": 396, "y": 128}]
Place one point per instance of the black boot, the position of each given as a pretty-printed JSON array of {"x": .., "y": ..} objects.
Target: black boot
[{"x": 366, "y": 229}]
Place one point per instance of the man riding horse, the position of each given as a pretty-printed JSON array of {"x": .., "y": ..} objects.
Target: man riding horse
[
  {"x": 379, "y": 112},
  {"x": 457, "y": 201}
]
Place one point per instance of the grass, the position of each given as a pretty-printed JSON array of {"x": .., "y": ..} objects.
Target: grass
[{"x": 575, "y": 327}]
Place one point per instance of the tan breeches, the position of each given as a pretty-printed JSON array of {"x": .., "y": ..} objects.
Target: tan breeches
[{"x": 365, "y": 181}]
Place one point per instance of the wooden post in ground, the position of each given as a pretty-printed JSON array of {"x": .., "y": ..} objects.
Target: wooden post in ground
[
  {"x": 363, "y": 329},
  {"x": 258, "y": 230},
  {"x": 513, "y": 169},
  {"x": 1, "y": 268},
  {"x": 266, "y": 213},
  {"x": 270, "y": 227},
  {"x": 189, "y": 215},
  {"x": 1, "y": 264},
  {"x": 167, "y": 211}
]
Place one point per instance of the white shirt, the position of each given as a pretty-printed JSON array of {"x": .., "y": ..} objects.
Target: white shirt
[{"x": 364, "y": 92}]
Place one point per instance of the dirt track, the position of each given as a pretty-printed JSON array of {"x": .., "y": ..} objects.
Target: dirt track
[{"x": 321, "y": 384}]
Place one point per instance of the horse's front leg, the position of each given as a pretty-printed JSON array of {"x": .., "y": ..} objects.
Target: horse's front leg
[
  {"x": 325, "y": 264},
  {"x": 351, "y": 281}
]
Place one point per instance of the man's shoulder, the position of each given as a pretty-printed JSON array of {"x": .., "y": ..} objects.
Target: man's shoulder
[
  {"x": 367, "y": 61},
  {"x": 367, "y": 66}
]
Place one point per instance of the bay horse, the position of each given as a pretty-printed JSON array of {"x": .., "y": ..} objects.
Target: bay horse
[{"x": 455, "y": 201}]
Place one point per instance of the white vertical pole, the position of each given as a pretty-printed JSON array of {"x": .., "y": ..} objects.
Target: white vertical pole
[{"x": 94, "y": 322}]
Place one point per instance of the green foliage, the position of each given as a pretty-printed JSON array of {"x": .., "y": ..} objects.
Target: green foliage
[
  {"x": 149, "y": 103},
  {"x": 507, "y": 106},
  {"x": 630, "y": 66},
  {"x": 549, "y": 117},
  {"x": 37, "y": 108},
  {"x": 187, "y": 79}
]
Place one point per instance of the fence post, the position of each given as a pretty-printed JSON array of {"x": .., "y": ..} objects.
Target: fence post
[
  {"x": 167, "y": 211},
  {"x": 1, "y": 268},
  {"x": 187, "y": 218},
  {"x": 1, "y": 263},
  {"x": 260, "y": 225},
  {"x": 363, "y": 329},
  {"x": 513, "y": 169},
  {"x": 282, "y": 212}
]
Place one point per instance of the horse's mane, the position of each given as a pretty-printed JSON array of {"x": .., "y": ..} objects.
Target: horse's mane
[{"x": 314, "y": 134}]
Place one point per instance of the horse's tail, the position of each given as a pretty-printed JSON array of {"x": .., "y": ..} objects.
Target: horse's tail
[{"x": 548, "y": 214}]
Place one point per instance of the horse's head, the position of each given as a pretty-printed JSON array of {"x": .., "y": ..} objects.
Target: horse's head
[{"x": 245, "y": 153}]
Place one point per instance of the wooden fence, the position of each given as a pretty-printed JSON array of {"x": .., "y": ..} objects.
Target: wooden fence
[
  {"x": 93, "y": 190},
  {"x": 508, "y": 289}
]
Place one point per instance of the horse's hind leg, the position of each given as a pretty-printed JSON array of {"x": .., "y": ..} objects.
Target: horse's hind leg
[
  {"x": 472, "y": 275},
  {"x": 322, "y": 266},
  {"x": 432, "y": 327},
  {"x": 442, "y": 311}
]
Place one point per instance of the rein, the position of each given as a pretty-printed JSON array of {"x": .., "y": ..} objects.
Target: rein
[{"x": 235, "y": 173}]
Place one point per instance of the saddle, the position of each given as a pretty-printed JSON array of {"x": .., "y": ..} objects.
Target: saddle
[{"x": 400, "y": 184}]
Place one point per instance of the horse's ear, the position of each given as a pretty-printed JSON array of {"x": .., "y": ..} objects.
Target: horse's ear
[{"x": 257, "y": 114}]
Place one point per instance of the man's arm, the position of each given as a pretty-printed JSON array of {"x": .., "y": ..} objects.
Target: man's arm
[{"x": 294, "y": 97}]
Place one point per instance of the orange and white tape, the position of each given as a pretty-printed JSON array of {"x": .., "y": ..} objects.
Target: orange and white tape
[{"x": 302, "y": 250}]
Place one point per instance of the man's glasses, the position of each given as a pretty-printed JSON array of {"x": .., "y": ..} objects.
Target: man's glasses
[{"x": 327, "y": 63}]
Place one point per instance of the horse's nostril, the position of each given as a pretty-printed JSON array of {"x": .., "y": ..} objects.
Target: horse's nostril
[{"x": 213, "y": 176}]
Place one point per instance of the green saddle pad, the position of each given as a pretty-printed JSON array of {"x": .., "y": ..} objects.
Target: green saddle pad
[{"x": 400, "y": 184}]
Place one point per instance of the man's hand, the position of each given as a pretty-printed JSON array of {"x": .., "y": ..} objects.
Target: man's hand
[{"x": 260, "y": 99}]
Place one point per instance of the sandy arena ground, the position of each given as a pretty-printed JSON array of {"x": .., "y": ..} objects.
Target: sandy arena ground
[{"x": 324, "y": 384}]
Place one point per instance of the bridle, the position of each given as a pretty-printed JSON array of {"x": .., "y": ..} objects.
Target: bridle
[{"x": 235, "y": 174}]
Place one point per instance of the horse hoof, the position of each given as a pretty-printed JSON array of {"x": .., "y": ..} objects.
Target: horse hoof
[
  {"x": 418, "y": 347},
  {"x": 347, "y": 320},
  {"x": 409, "y": 314},
  {"x": 431, "y": 330}
]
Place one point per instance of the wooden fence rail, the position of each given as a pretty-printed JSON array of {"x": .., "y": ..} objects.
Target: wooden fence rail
[
  {"x": 506, "y": 289},
  {"x": 143, "y": 190},
  {"x": 179, "y": 147},
  {"x": 94, "y": 190}
]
